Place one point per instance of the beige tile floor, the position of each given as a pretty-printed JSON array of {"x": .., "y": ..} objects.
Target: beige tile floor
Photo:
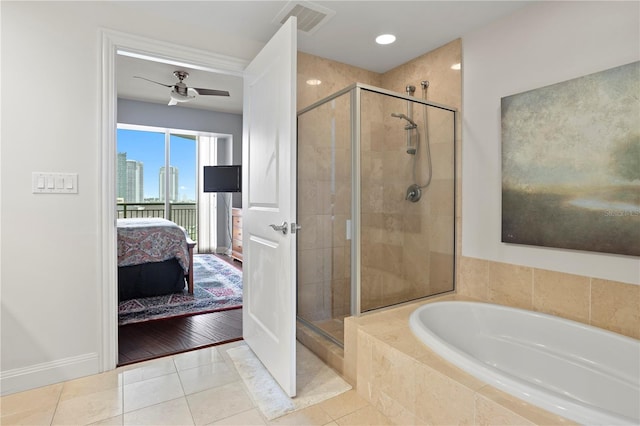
[{"x": 194, "y": 388}]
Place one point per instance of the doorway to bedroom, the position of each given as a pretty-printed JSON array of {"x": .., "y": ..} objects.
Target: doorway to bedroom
[{"x": 159, "y": 177}]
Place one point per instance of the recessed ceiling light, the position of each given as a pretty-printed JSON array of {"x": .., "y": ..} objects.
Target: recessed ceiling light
[
  {"x": 314, "y": 82},
  {"x": 455, "y": 66},
  {"x": 385, "y": 39}
]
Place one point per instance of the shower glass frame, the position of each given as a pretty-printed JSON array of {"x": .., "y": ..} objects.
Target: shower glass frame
[{"x": 356, "y": 91}]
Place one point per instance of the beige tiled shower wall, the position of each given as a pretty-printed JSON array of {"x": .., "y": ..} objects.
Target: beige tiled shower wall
[
  {"x": 606, "y": 304},
  {"x": 407, "y": 249},
  {"x": 334, "y": 76}
]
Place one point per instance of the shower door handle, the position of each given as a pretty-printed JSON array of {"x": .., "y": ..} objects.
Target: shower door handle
[{"x": 282, "y": 228}]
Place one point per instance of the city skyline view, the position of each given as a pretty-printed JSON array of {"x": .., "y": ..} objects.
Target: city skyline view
[{"x": 148, "y": 148}]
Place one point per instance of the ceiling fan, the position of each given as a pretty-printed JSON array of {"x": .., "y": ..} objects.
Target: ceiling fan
[{"x": 181, "y": 93}]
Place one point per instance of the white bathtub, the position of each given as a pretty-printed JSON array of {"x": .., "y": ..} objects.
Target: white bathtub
[{"x": 583, "y": 373}]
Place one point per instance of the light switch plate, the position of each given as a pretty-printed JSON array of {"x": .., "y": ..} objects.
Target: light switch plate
[{"x": 54, "y": 183}]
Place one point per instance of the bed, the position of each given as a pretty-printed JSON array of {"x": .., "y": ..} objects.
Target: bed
[{"x": 155, "y": 256}]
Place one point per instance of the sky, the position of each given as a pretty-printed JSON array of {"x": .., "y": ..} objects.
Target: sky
[{"x": 148, "y": 148}]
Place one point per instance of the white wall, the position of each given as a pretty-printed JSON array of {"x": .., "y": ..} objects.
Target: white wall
[
  {"x": 50, "y": 246},
  {"x": 539, "y": 45},
  {"x": 150, "y": 114}
]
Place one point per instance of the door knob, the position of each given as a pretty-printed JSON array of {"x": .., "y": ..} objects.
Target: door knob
[{"x": 282, "y": 228}]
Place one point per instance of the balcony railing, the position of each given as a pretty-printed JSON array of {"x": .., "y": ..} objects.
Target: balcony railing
[{"x": 184, "y": 214}]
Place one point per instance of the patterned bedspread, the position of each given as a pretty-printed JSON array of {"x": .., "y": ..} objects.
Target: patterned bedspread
[{"x": 144, "y": 240}]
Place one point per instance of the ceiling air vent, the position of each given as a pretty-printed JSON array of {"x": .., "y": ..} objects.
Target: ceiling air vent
[{"x": 310, "y": 16}]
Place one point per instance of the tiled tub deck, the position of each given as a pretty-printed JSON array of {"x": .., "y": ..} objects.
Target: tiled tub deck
[{"x": 412, "y": 385}]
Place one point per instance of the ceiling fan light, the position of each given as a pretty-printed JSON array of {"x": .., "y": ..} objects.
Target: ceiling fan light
[{"x": 180, "y": 98}]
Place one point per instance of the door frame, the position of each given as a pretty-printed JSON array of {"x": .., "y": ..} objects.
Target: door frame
[{"x": 113, "y": 43}]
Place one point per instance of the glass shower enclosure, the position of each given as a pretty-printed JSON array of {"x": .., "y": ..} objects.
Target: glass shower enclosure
[{"x": 376, "y": 202}]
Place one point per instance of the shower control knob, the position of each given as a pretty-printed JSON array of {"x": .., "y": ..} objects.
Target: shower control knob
[{"x": 413, "y": 193}]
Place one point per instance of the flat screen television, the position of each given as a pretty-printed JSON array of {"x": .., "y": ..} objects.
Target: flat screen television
[{"x": 222, "y": 178}]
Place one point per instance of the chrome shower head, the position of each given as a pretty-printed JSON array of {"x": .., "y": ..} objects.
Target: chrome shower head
[{"x": 404, "y": 117}]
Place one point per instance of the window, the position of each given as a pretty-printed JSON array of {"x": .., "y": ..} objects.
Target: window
[{"x": 157, "y": 175}]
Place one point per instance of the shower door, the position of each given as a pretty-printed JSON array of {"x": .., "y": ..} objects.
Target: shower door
[
  {"x": 324, "y": 211},
  {"x": 376, "y": 200}
]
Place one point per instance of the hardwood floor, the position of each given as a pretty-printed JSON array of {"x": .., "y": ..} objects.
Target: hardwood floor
[{"x": 153, "y": 339}]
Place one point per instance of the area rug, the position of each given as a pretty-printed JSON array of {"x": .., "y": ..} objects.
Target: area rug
[
  {"x": 216, "y": 286},
  {"x": 316, "y": 382}
]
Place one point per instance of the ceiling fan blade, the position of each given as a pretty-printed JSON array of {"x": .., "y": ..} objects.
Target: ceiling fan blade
[
  {"x": 210, "y": 92},
  {"x": 156, "y": 82},
  {"x": 172, "y": 102}
]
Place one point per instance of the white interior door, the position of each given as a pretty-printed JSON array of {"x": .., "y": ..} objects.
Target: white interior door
[{"x": 269, "y": 198}]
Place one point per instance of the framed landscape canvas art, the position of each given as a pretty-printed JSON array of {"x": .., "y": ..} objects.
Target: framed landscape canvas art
[{"x": 571, "y": 164}]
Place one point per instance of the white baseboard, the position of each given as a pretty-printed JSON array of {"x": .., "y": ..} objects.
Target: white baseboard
[{"x": 48, "y": 373}]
